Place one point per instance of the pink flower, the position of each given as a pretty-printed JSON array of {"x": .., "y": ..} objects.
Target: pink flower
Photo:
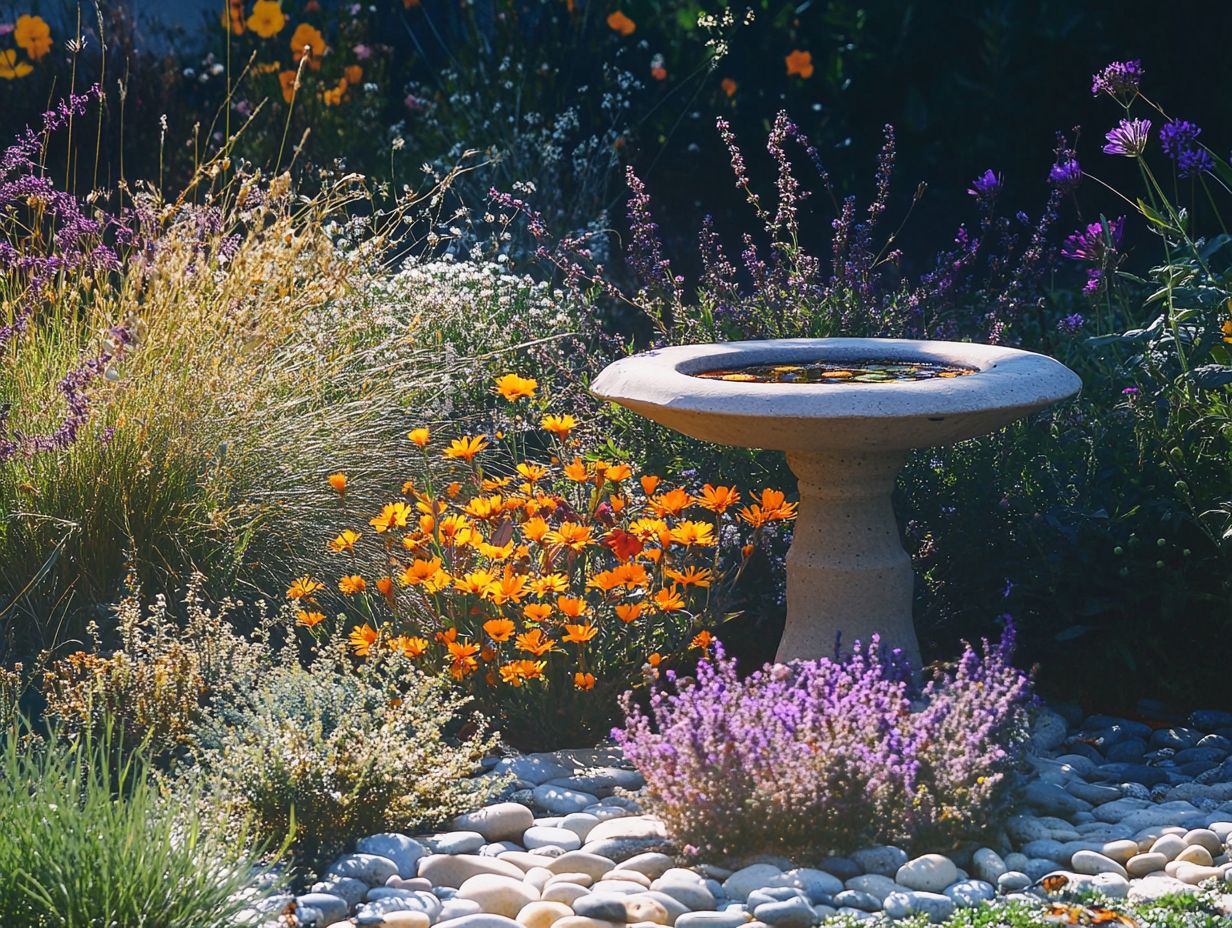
[{"x": 362, "y": 52}]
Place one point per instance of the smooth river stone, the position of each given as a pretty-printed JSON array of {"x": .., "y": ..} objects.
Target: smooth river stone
[
  {"x": 1204, "y": 837},
  {"x": 988, "y": 865},
  {"x": 934, "y": 905},
  {"x": 403, "y": 920},
  {"x": 593, "y": 865},
  {"x": 745, "y": 880},
  {"x": 1168, "y": 845},
  {"x": 1196, "y": 854},
  {"x": 790, "y": 913},
  {"x": 370, "y": 869},
  {"x": 815, "y": 884},
  {"x": 628, "y": 876},
  {"x": 1141, "y": 864},
  {"x": 970, "y": 894},
  {"x": 540, "y": 836},
  {"x": 501, "y": 821},
  {"x": 498, "y": 895},
  {"x": 482, "y": 920},
  {"x": 1120, "y": 851},
  {"x": 332, "y": 908},
  {"x": 564, "y": 893},
  {"x": 930, "y": 873},
  {"x": 455, "y": 869},
  {"x": 883, "y": 860},
  {"x": 712, "y": 920},
  {"x": 1092, "y": 862},
  {"x": 542, "y": 914},
  {"x": 874, "y": 884},
  {"x": 456, "y": 842},
  {"x": 562, "y": 800},
  {"x": 653, "y": 864}
]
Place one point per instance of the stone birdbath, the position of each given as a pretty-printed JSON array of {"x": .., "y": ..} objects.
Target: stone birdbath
[{"x": 846, "y": 438}]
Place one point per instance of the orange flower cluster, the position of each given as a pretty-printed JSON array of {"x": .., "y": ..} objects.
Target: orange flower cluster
[
  {"x": 565, "y": 572},
  {"x": 33, "y": 36}
]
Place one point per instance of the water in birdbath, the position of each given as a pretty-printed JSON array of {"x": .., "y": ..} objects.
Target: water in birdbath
[{"x": 834, "y": 372}]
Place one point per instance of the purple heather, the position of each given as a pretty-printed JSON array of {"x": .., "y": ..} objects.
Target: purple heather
[
  {"x": 740, "y": 766},
  {"x": 1129, "y": 138},
  {"x": 1071, "y": 324}
]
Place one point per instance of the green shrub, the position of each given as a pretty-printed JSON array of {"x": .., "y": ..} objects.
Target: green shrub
[
  {"x": 89, "y": 843},
  {"x": 333, "y": 754}
]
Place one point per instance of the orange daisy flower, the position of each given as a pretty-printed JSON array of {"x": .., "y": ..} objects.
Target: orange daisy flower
[
  {"x": 513, "y": 388},
  {"x": 362, "y": 638},
  {"x": 338, "y": 482},
  {"x": 579, "y": 634},
  {"x": 499, "y": 630},
  {"x": 465, "y": 448},
  {"x": 352, "y": 583},
  {"x": 304, "y": 588}
]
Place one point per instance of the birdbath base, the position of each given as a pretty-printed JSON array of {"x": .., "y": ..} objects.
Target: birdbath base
[{"x": 848, "y": 576}]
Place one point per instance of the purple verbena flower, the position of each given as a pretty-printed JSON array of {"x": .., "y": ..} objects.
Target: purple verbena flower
[
  {"x": 1129, "y": 138},
  {"x": 1071, "y": 324},
  {"x": 1065, "y": 175},
  {"x": 1120, "y": 79},
  {"x": 986, "y": 186},
  {"x": 1092, "y": 244}
]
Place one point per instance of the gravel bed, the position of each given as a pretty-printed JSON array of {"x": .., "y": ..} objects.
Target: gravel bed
[{"x": 1133, "y": 812}]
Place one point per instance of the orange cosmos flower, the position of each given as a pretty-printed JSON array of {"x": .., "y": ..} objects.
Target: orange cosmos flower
[
  {"x": 353, "y": 73},
  {"x": 456, "y": 531},
  {"x": 535, "y": 529},
  {"x": 655, "y": 659},
  {"x": 409, "y": 646},
  {"x": 560, "y": 426},
  {"x": 513, "y": 388},
  {"x": 619, "y": 22},
  {"x": 693, "y": 533},
  {"x": 309, "y": 619},
  {"x": 576, "y": 471},
  {"x": 671, "y": 503},
  {"x": 650, "y": 483},
  {"x": 771, "y": 507},
  {"x": 338, "y": 482},
  {"x": 499, "y": 630},
  {"x": 549, "y": 583},
  {"x": 691, "y": 576},
  {"x": 535, "y": 642},
  {"x": 617, "y": 473},
  {"x": 629, "y": 612},
  {"x": 515, "y": 673},
  {"x": 485, "y": 507},
  {"x": 702, "y": 640},
  {"x": 729, "y": 86},
  {"x": 344, "y": 542},
  {"x": 536, "y": 612},
  {"x": 583, "y": 681},
  {"x": 11, "y": 68},
  {"x": 393, "y": 515},
  {"x": 579, "y": 634},
  {"x": 799, "y": 62},
  {"x": 304, "y": 588},
  {"x": 571, "y": 607},
  {"x": 718, "y": 499},
  {"x": 421, "y": 571},
  {"x": 669, "y": 600},
  {"x": 288, "y": 81},
  {"x": 605, "y": 580},
  {"x": 476, "y": 582},
  {"x": 267, "y": 19},
  {"x": 532, "y": 472},
  {"x": 454, "y": 489},
  {"x": 307, "y": 40},
  {"x": 465, "y": 449},
  {"x": 33, "y": 34},
  {"x": 570, "y": 535},
  {"x": 385, "y": 586},
  {"x": 362, "y": 638},
  {"x": 510, "y": 587},
  {"x": 419, "y": 436},
  {"x": 352, "y": 583},
  {"x": 632, "y": 575}
]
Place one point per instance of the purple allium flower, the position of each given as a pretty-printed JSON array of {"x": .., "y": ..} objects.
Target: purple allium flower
[
  {"x": 1065, "y": 175},
  {"x": 1092, "y": 244},
  {"x": 1071, "y": 324},
  {"x": 1178, "y": 136},
  {"x": 1129, "y": 138},
  {"x": 1194, "y": 162},
  {"x": 1120, "y": 79},
  {"x": 986, "y": 186}
]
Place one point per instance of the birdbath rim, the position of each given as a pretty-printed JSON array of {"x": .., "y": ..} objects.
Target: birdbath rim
[{"x": 1008, "y": 383}]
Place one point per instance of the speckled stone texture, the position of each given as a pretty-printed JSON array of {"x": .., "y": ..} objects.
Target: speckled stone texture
[{"x": 847, "y": 574}]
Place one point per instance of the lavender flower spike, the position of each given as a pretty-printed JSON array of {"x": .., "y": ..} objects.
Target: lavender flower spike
[{"x": 1129, "y": 138}]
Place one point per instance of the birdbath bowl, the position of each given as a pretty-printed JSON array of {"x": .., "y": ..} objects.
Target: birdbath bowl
[{"x": 846, "y": 411}]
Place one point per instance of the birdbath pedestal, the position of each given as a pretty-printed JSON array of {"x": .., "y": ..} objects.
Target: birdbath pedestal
[{"x": 847, "y": 573}]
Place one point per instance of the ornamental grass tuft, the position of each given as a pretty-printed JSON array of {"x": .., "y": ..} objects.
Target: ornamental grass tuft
[{"x": 815, "y": 757}]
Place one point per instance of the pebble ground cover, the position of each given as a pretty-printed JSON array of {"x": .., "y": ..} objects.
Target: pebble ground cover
[{"x": 329, "y": 597}]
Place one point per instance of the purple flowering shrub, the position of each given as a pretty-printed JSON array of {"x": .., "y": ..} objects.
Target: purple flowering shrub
[
  {"x": 774, "y": 283},
  {"x": 815, "y": 757}
]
